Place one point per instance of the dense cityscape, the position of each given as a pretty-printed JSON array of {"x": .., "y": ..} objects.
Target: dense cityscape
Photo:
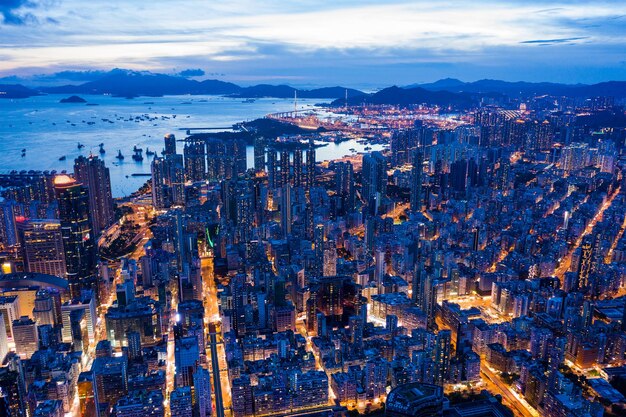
[{"x": 474, "y": 266}]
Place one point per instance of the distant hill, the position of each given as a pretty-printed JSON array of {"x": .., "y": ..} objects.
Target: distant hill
[
  {"x": 125, "y": 83},
  {"x": 410, "y": 96},
  {"x": 285, "y": 91},
  {"x": 16, "y": 91},
  {"x": 615, "y": 89}
]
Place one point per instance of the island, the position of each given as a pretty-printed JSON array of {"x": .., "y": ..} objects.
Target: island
[{"x": 73, "y": 99}]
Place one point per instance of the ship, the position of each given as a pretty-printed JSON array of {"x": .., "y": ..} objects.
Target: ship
[
  {"x": 80, "y": 145},
  {"x": 63, "y": 158},
  {"x": 149, "y": 152},
  {"x": 137, "y": 156},
  {"x": 102, "y": 151},
  {"x": 119, "y": 155}
]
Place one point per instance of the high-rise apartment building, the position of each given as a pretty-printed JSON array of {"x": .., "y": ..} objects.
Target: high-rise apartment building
[{"x": 94, "y": 175}]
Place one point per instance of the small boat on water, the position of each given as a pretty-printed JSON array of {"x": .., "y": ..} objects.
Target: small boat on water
[
  {"x": 63, "y": 158},
  {"x": 80, "y": 145},
  {"x": 102, "y": 151},
  {"x": 138, "y": 155},
  {"x": 149, "y": 152},
  {"x": 119, "y": 155}
]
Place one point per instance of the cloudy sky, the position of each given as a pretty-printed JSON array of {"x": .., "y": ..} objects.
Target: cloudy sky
[{"x": 319, "y": 42}]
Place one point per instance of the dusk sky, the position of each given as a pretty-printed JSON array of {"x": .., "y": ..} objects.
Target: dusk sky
[{"x": 355, "y": 43}]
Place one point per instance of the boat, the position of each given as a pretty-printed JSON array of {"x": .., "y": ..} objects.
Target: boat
[
  {"x": 137, "y": 156},
  {"x": 80, "y": 145},
  {"x": 24, "y": 150},
  {"x": 102, "y": 151},
  {"x": 63, "y": 158},
  {"x": 249, "y": 100},
  {"x": 149, "y": 152},
  {"x": 119, "y": 155}
]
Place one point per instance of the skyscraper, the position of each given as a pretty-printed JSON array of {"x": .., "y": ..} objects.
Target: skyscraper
[
  {"x": 42, "y": 246},
  {"x": 374, "y": 177},
  {"x": 259, "y": 154},
  {"x": 202, "y": 392},
  {"x": 170, "y": 144},
  {"x": 297, "y": 168},
  {"x": 441, "y": 356},
  {"x": 195, "y": 161},
  {"x": 78, "y": 239},
  {"x": 285, "y": 210},
  {"x": 168, "y": 183},
  {"x": 272, "y": 168},
  {"x": 416, "y": 181},
  {"x": 344, "y": 186},
  {"x": 284, "y": 167},
  {"x": 310, "y": 165},
  {"x": 92, "y": 173}
]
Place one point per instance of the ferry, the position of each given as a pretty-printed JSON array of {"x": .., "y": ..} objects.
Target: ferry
[{"x": 119, "y": 155}]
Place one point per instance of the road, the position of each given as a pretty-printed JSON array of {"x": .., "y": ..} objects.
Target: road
[
  {"x": 567, "y": 260},
  {"x": 518, "y": 405},
  {"x": 216, "y": 351}
]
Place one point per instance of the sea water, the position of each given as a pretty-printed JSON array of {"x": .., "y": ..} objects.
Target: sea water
[{"x": 49, "y": 130}]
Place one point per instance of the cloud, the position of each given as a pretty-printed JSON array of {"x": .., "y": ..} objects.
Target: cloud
[
  {"x": 554, "y": 41},
  {"x": 274, "y": 38},
  {"x": 14, "y": 12},
  {"x": 188, "y": 73}
]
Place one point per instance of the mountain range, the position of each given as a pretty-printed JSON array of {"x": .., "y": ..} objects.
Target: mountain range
[
  {"x": 125, "y": 83},
  {"x": 445, "y": 92},
  {"x": 615, "y": 89}
]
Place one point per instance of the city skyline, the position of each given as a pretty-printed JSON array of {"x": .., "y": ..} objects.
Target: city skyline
[{"x": 363, "y": 44}]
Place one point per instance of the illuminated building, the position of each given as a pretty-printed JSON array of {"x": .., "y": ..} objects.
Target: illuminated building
[
  {"x": 88, "y": 305},
  {"x": 42, "y": 246},
  {"x": 180, "y": 402},
  {"x": 298, "y": 178},
  {"x": 92, "y": 173},
  {"x": 44, "y": 311},
  {"x": 110, "y": 380},
  {"x": 417, "y": 172},
  {"x": 78, "y": 236},
  {"x": 374, "y": 179},
  {"x": 170, "y": 144},
  {"x": 86, "y": 399},
  {"x": 49, "y": 408},
  {"x": 140, "y": 403},
  {"x": 202, "y": 392},
  {"x": 187, "y": 357},
  {"x": 310, "y": 164},
  {"x": 25, "y": 337},
  {"x": 415, "y": 400},
  {"x": 9, "y": 308},
  {"x": 195, "y": 161},
  {"x": 285, "y": 165},
  {"x": 168, "y": 182}
]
